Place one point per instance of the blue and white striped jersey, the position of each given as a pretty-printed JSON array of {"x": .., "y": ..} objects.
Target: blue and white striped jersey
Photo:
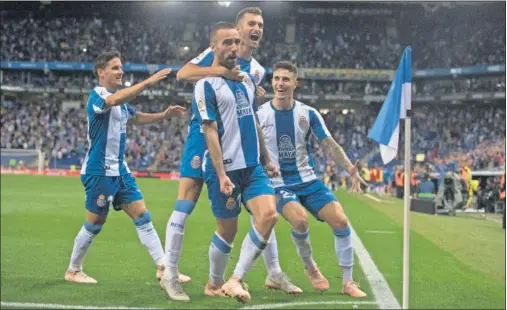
[
  {"x": 252, "y": 66},
  {"x": 205, "y": 59},
  {"x": 287, "y": 135},
  {"x": 107, "y": 135},
  {"x": 232, "y": 105}
]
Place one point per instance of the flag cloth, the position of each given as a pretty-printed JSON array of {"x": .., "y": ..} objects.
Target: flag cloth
[{"x": 386, "y": 129}]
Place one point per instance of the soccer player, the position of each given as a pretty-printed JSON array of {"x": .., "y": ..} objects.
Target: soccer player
[
  {"x": 105, "y": 174},
  {"x": 250, "y": 25},
  {"x": 287, "y": 125},
  {"x": 232, "y": 168}
]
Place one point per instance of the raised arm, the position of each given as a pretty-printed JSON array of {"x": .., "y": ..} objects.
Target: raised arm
[
  {"x": 202, "y": 66},
  {"x": 128, "y": 94},
  {"x": 141, "y": 118}
]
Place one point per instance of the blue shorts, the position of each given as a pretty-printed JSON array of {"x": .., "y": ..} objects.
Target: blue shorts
[
  {"x": 102, "y": 190},
  {"x": 249, "y": 183},
  {"x": 191, "y": 160},
  {"x": 313, "y": 196}
]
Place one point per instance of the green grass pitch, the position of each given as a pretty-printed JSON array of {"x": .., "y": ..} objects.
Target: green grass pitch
[{"x": 456, "y": 262}]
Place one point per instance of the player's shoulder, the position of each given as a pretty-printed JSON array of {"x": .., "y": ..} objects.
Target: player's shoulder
[
  {"x": 257, "y": 69},
  {"x": 207, "y": 53},
  {"x": 257, "y": 66},
  {"x": 298, "y": 105},
  {"x": 265, "y": 108},
  {"x": 214, "y": 82},
  {"x": 99, "y": 91}
]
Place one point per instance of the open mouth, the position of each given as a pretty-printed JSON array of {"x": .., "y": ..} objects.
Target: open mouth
[
  {"x": 254, "y": 36},
  {"x": 281, "y": 91}
]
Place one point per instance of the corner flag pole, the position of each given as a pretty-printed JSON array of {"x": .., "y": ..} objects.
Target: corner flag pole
[
  {"x": 406, "y": 207},
  {"x": 386, "y": 130}
]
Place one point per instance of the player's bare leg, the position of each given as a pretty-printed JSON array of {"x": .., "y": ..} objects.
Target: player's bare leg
[
  {"x": 333, "y": 215},
  {"x": 189, "y": 190},
  {"x": 91, "y": 228},
  {"x": 297, "y": 216},
  {"x": 265, "y": 217}
]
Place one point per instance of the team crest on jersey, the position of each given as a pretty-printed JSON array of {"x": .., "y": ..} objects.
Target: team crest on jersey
[
  {"x": 196, "y": 162},
  {"x": 101, "y": 201},
  {"x": 303, "y": 123},
  {"x": 231, "y": 203},
  {"x": 257, "y": 76},
  {"x": 201, "y": 106},
  {"x": 242, "y": 105},
  {"x": 286, "y": 149}
]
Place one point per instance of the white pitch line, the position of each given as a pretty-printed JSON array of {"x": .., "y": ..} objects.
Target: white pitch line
[
  {"x": 376, "y": 199},
  {"x": 58, "y": 306},
  {"x": 308, "y": 303},
  {"x": 379, "y": 232},
  {"x": 384, "y": 297}
]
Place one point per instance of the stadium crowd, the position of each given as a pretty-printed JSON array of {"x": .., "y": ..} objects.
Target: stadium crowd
[
  {"x": 442, "y": 133},
  {"x": 443, "y": 39}
]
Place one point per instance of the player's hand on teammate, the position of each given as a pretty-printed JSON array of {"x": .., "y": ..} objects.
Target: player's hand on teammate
[
  {"x": 159, "y": 76},
  {"x": 226, "y": 185},
  {"x": 356, "y": 179},
  {"x": 271, "y": 170},
  {"x": 233, "y": 74},
  {"x": 260, "y": 92},
  {"x": 174, "y": 110}
]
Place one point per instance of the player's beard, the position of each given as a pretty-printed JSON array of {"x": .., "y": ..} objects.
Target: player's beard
[{"x": 229, "y": 62}]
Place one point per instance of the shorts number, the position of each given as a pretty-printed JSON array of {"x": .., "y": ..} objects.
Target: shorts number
[{"x": 287, "y": 195}]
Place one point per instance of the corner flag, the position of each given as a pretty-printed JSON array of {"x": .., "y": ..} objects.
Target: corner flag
[{"x": 386, "y": 129}]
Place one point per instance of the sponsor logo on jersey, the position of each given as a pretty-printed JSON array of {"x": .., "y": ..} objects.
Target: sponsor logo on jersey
[
  {"x": 243, "y": 107},
  {"x": 303, "y": 123},
  {"x": 286, "y": 149},
  {"x": 196, "y": 162},
  {"x": 101, "y": 201},
  {"x": 231, "y": 203}
]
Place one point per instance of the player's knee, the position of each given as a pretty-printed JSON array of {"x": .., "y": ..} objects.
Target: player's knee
[
  {"x": 227, "y": 232},
  {"x": 268, "y": 218},
  {"x": 93, "y": 228},
  {"x": 301, "y": 223},
  {"x": 189, "y": 189}
]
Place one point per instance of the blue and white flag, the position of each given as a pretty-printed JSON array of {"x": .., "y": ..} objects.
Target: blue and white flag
[{"x": 386, "y": 129}]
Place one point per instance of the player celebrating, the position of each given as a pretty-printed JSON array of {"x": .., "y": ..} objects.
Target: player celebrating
[
  {"x": 105, "y": 174},
  {"x": 287, "y": 125},
  {"x": 250, "y": 25},
  {"x": 226, "y": 110}
]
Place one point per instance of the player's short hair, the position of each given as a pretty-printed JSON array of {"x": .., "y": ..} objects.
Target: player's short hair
[
  {"x": 101, "y": 61},
  {"x": 249, "y": 10},
  {"x": 287, "y": 65},
  {"x": 219, "y": 26}
]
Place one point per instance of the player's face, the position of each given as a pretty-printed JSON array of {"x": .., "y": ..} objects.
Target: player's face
[
  {"x": 251, "y": 28},
  {"x": 226, "y": 47},
  {"x": 112, "y": 74},
  {"x": 284, "y": 82}
]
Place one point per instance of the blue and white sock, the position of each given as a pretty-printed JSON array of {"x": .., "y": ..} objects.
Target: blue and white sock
[
  {"x": 270, "y": 253},
  {"x": 83, "y": 240},
  {"x": 344, "y": 251},
  {"x": 303, "y": 246},
  {"x": 251, "y": 249},
  {"x": 149, "y": 237},
  {"x": 174, "y": 235},
  {"x": 219, "y": 254}
]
